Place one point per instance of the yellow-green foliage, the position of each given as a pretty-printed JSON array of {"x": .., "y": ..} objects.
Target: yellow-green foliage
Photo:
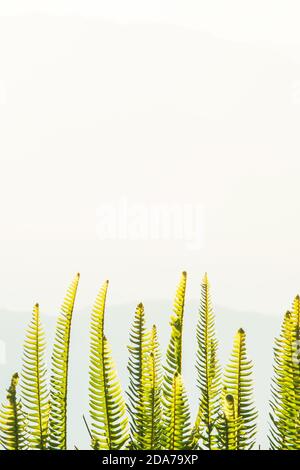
[
  {"x": 177, "y": 426},
  {"x": 157, "y": 402},
  {"x": 208, "y": 369},
  {"x": 152, "y": 407},
  {"x": 138, "y": 368},
  {"x": 174, "y": 352},
  {"x": 173, "y": 388},
  {"x": 238, "y": 383},
  {"x": 285, "y": 403},
  {"x": 59, "y": 372},
  {"x": 107, "y": 407},
  {"x": 228, "y": 424},
  {"x": 34, "y": 384},
  {"x": 13, "y": 420}
]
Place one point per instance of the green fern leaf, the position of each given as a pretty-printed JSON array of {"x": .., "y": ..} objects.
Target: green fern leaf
[
  {"x": 239, "y": 384},
  {"x": 177, "y": 426},
  {"x": 107, "y": 407},
  {"x": 174, "y": 351},
  {"x": 228, "y": 424},
  {"x": 138, "y": 368},
  {"x": 13, "y": 435},
  {"x": 285, "y": 403},
  {"x": 59, "y": 375},
  {"x": 152, "y": 408},
  {"x": 35, "y": 396},
  {"x": 208, "y": 368}
]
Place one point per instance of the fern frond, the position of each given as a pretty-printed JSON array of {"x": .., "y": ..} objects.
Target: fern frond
[
  {"x": 208, "y": 368},
  {"x": 138, "y": 367},
  {"x": 177, "y": 428},
  {"x": 285, "y": 403},
  {"x": 109, "y": 428},
  {"x": 152, "y": 409},
  {"x": 239, "y": 384},
  {"x": 34, "y": 389},
  {"x": 174, "y": 351},
  {"x": 59, "y": 372},
  {"x": 13, "y": 420},
  {"x": 228, "y": 424},
  {"x": 197, "y": 430},
  {"x": 295, "y": 313}
]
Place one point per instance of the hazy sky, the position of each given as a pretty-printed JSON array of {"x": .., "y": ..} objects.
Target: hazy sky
[{"x": 161, "y": 102}]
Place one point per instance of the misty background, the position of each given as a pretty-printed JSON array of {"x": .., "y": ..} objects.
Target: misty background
[{"x": 161, "y": 102}]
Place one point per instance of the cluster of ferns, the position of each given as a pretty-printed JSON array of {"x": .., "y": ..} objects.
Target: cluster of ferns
[{"x": 154, "y": 413}]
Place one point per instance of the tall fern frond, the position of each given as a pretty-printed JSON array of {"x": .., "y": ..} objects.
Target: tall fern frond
[
  {"x": 208, "y": 368},
  {"x": 152, "y": 409},
  {"x": 228, "y": 424},
  {"x": 34, "y": 389},
  {"x": 107, "y": 407},
  {"x": 138, "y": 368},
  {"x": 174, "y": 351},
  {"x": 285, "y": 403},
  {"x": 59, "y": 372},
  {"x": 177, "y": 429},
  {"x": 239, "y": 384},
  {"x": 13, "y": 421}
]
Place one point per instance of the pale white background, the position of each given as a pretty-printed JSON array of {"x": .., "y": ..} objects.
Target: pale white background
[
  {"x": 153, "y": 101},
  {"x": 156, "y": 102}
]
